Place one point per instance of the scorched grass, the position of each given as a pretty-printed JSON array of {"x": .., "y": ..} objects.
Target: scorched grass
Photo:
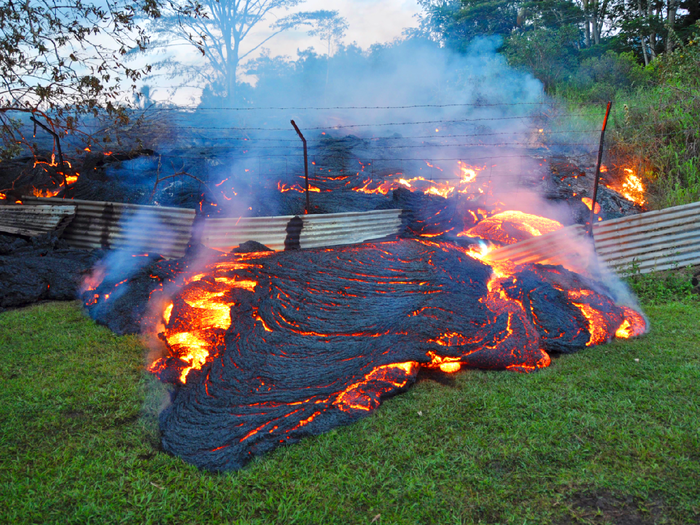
[{"x": 609, "y": 435}]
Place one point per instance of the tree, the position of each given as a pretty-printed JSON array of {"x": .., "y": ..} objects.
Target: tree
[
  {"x": 221, "y": 30},
  {"x": 549, "y": 54},
  {"x": 457, "y": 22},
  {"x": 328, "y": 26},
  {"x": 61, "y": 60}
]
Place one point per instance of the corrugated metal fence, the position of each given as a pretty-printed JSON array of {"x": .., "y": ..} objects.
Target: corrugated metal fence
[
  {"x": 35, "y": 220},
  {"x": 304, "y": 231},
  {"x": 167, "y": 231},
  {"x": 651, "y": 241},
  {"x": 643, "y": 243},
  {"x": 140, "y": 229}
]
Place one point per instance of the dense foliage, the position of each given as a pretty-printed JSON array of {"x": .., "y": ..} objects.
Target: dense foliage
[{"x": 641, "y": 54}]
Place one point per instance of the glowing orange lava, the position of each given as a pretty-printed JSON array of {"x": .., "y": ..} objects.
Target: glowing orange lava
[
  {"x": 204, "y": 313},
  {"x": 634, "y": 324},
  {"x": 520, "y": 226},
  {"x": 381, "y": 379},
  {"x": 69, "y": 179},
  {"x": 589, "y": 204},
  {"x": 467, "y": 174}
]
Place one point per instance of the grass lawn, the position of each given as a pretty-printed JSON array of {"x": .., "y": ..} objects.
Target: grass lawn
[{"x": 610, "y": 435}]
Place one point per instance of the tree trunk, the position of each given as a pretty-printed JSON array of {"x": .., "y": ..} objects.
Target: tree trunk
[
  {"x": 652, "y": 36},
  {"x": 641, "y": 36},
  {"x": 588, "y": 29},
  {"x": 231, "y": 70},
  {"x": 596, "y": 29},
  {"x": 671, "y": 22}
]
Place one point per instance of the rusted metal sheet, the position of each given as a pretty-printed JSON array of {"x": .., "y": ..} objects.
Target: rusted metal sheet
[
  {"x": 139, "y": 229},
  {"x": 32, "y": 221},
  {"x": 643, "y": 243},
  {"x": 651, "y": 241},
  {"x": 306, "y": 231}
]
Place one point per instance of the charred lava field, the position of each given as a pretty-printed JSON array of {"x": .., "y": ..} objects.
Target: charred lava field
[{"x": 263, "y": 348}]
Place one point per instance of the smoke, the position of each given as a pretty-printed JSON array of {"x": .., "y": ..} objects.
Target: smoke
[
  {"x": 410, "y": 107},
  {"x": 137, "y": 233}
]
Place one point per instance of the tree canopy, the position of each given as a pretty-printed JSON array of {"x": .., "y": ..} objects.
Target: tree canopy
[
  {"x": 61, "y": 60},
  {"x": 219, "y": 33}
]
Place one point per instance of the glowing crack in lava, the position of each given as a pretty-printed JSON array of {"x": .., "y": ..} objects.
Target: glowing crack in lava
[{"x": 268, "y": 348}]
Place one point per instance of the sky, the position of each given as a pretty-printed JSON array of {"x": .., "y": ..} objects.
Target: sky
[{"x": 369, "y": 22}]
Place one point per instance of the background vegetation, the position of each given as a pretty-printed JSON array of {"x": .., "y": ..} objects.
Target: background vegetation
[{"x": 641, "y": 54}]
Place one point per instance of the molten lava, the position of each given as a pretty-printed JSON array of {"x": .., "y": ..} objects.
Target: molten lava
[
  {"x": 509, "y": 227},
  {"x": 68, "y": 179},
  {"x": 467, "y": 175},
  {"x": 271, "y": 347},
  {"x": 266, "y": 348},
  {"x": 589, "y": 204}
]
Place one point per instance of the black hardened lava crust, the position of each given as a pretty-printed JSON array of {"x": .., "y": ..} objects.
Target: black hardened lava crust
[{"x": 327, "y": 333}]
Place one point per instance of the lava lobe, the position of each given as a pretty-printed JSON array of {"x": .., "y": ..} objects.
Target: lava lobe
[{"x": 266, "y": 348}]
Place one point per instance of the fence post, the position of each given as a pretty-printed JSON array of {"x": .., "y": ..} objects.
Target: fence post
[
  {"x": 597, "y": 169},
  {"x": 306, "y": 166}
]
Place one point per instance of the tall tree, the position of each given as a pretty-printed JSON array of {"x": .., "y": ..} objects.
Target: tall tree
[{"x": 221, "y": 32}]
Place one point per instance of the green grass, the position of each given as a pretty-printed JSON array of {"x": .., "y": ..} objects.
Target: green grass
[{"x": 609, "y": 435}]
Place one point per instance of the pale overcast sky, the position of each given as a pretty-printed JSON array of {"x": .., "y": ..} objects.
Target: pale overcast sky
[{"x": 369, "y": 22}]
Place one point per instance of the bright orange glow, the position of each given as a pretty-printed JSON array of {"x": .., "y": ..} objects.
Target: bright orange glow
[
  {"x": 450, "y": 368},
  {"x": 206, "y": 312},
  {"x": 446, "y": 364},
  {"x": 634, "y": 324},
  {"x": 296, "y": 187},
  {"x": 383, "y": 379},
  {"x": 528, "y": 225},
  {"x": 92, "y": 281},
  {"x": 597, "y": 326},
  {"x": 624, "y": 330},
  {"x": 2, "y": 196},
  {"x": 46, "y": 193},
  {"x": 468, "y": 172},
  {"x": 632, "y": 187},
  {"x": 589, "y": 204},
  {"x": 167, "y": 312}
]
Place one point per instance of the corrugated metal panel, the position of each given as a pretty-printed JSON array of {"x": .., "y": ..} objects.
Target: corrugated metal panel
[
  {"x": 647, "y": 242},
  {"x": 651, "y": 241},
  {"x": 567, "y": 246},
  {"x": 315, "y": 231},
  {"x": 35, "y": 220},
  {"x": 141, "y": 229}
]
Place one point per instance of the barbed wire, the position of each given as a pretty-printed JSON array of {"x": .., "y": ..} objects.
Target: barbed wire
[
  {"x": 371, "y": 125},
  {"x": 353, "y": 108}
]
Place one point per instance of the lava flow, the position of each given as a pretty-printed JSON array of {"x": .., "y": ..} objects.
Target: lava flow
[
  {"x": 265, "y": 348},
  {"x": 68, "y": 179},
  {"x": 269, "y": 347}
]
